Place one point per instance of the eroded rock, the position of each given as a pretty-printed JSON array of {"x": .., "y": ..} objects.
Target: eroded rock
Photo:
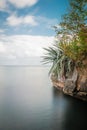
[
  {"x": 69, "y": 87},
  {"x": 75, "y": 86}
]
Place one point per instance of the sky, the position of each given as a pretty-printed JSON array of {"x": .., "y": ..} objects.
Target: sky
[{"x": 26, "y": 26}]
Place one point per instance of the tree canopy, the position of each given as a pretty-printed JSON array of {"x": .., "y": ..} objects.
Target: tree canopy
[
  {"x": 75, "y": 18},
  {"x": 72, "y": 47}
]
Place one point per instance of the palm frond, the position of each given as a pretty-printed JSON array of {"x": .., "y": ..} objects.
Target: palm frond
[{"x": 61, "y": 63}]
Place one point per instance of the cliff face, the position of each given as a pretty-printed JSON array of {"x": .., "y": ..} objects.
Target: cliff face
[{"x": 75, "y": 86}]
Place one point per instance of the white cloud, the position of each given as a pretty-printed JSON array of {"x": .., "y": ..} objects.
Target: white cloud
[
  {"x": 23, "y": 46},
  {"x": 2, "y": 48},
  {"x": 29, "y": 20},
  {"x": 2, "y": 31},
  {"x": 4, "y": 4},
  {"x": 23, "y": 3},
  {"x": 14, "y": 20}
]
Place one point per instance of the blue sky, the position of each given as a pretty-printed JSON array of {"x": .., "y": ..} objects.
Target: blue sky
[{"x": 30, "y": 23}]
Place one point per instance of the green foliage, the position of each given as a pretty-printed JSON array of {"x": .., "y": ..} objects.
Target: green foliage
[
  {"x": 74, "y": 24},
  {"x": 71, "y": 50},
  {"x": 75, "y": 17},
  {"x": 76, "y": 48},
  {"x": 61, "y": 64}
]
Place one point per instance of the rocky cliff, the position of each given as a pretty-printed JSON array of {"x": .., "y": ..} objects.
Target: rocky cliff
[{"x": 75, "y": 85}]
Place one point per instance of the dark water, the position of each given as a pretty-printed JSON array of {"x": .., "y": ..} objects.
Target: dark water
[{"x": 29, "y": 102}]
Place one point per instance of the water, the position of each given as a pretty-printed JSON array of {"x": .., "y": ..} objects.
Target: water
[{"x": 29, "y": 102}]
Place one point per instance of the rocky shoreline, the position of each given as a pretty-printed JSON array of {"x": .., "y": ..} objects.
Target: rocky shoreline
[
  {"x": 75, "y": 87},
  {"x": 69, "y": 91}
]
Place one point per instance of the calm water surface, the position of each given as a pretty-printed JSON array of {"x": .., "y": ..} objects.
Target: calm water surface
[{"x": 29, "y": 102}]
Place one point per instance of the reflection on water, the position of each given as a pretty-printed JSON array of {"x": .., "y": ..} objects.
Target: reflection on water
[
  {"x": 28, "y": 102},
  {"x": 74, "y": 111}
]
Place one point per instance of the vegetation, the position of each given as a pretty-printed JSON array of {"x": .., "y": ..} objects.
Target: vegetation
[{"x": 70, "y": 51}]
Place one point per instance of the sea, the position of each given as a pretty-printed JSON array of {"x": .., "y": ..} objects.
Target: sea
[{"x": 28, "y": 101}]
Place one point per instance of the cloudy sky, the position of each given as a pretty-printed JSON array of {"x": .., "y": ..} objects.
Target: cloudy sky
[{"x": 26, "y": 27}]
